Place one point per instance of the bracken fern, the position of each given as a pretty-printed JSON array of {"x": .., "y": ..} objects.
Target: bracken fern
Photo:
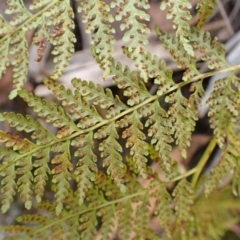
[{"x": 103, "y": 188}]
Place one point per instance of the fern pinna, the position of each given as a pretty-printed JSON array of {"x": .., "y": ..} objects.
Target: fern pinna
[{"x": 104, "y": 189}]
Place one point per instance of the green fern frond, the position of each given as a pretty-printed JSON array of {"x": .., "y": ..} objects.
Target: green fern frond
[
  {"x": 183, "y": 205},
  {"x": 86, "y": 166},
  {"x": 63, "y": 37},
  {"x": 160, "y": 132},
  {"x": 178, "y": 53},
  {"x": 19, "y": 49},
  {"x": 195, "y": 99},
  {"x": 110, "y": 151},
  {"x": 150, "y": 67},
  {"x": 38, "y": 4},
  {"x": 124, "y": 217},
  {"x": 142, "y": 217},
  {"x": 135, "y": 141},
  {"x": 227, "y": 165},
  {"x": 204, "y": 11},
  {"x": 236, "y": 180},
  {"x": 183, "y": 121},
  {"x": 4, "y": 26},
  {"x": 19, "y": 10},
  {"x": 224, "y": 106},
  {"x": 15, "y": 142},
  {"x": 28, "y": 124},
  {"x": 41, "y": 172},
  {"x": 88, "y": 225},
  {"x": 131, "y": 12},
  {"x": 50, "y": 111},
  {"x": 163, "y": 208},
  {"x": 8, "y": 183},
  {"x": 214, "y": 215},
  {"x": 33, "y": 226},
  {"x": 104, "y": 183},
  {"x": 211, "y": 49},
  {"x": 96, "y": 15},
  {"x": 127, "y": 80},
  {"x": 177, "y": 11},
  {"x": 115, "y": 195},
  {"x": 57, "y": 14},
  {"x": 79, "y": 107},
  {"x": 4, "y": 51},
  {"x": 25, "y": 181},
  {"x": 62, "y": 175},
  {"x": 100, "y": 97},
  {"x": 107, "y": 215},
  {"x": 22, "y": 232}
]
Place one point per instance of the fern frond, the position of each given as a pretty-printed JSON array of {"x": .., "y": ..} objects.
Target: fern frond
[
  {"x": 124, "y": 215},
  {"x": 15, "y": 142},
  {"x": 163, "y": 208},
  {"x": 18, "y": 8},
  {"x": 97, "y": 18},
  {"x": 104, "y": 183},
  {"x": 62, "y": 175},
  {"x": 25, "y": 181},
  {"x": 41, "y": 172},
  {"x": 214, "y": 215},
  {"x": 4, "y": 26},
  {"x": 28, "y": 124},
  {"x": 212, "y": 50},
  {"x": 178, "y": 53},
  {"x": 108, "y": 221},
  {"x": 131, "y": 13},
  {"x": 88, "y": 225},
  {"x": 38, "y": 4},
  {"x": 22, "y": 232},
  {"x": 8, "y": 183},
  {"x": 135, "y": 140},
  {"x": 50, "y": 111},
  {"x": 79, "y": 107},
  {"x": 19, "y": 49},
  {"x": 150, "y": 67},
  {"x": 227, "y": 165},
  {"x": 127, "y": 80},
  {"x": 236, "y": 175},
  {"x": 142, "y": 217},
  {"x": 183, "y": 198},
  {"x": 160, "y": 132},
  {"x": 183, "y": 121},
  {"x": 63, "y": 37},
  {"x": 86, "y": 166},
  {"x": 33, "y": 226},
  {"x": 4, "y": 46},
  {"x": 195, "y": 99},
  {"x": 57, "y": 14},
  {"x": 100, "y": 97},
  {"x": 110, "y": 149},
  {"x": 177, "y": 11},
  {"x": 4, "y": 51},
  {"x": 204, "y": 11},
  {"x": 224, "y": 106}
]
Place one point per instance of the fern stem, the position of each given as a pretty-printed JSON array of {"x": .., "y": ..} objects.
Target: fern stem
[
  {"x": 190, "y": 172},
  {"x": 204, "y": 160}
]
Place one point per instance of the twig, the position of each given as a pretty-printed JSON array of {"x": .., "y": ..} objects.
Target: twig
[
  {"x": 225, "y": 17},
  {"x": 204, "y": 160}
]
